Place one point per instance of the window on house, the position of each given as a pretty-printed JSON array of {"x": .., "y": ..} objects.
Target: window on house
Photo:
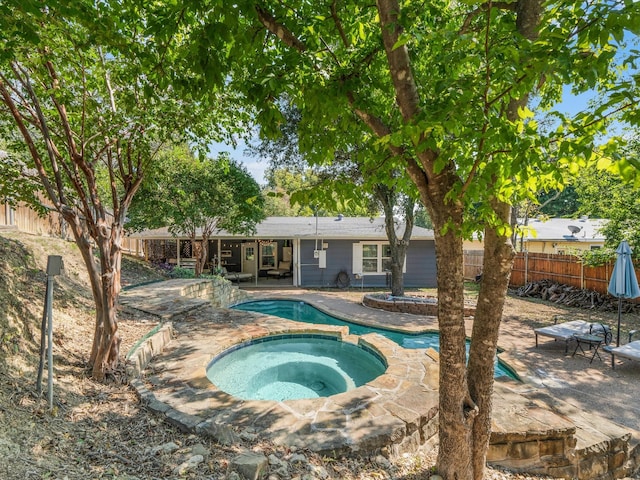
[
  {"x": 386, "y": 257},
  {"x": 371, "y": 258},
  {"x": 268, "y": 255}
]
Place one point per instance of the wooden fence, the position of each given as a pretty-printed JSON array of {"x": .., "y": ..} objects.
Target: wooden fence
[
  {"x": 564, "y": 269},
  {"x": 26, "y": 220},
  {"x": 473, "y": 263}
]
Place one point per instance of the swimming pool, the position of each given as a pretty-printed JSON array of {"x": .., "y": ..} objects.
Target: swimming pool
[
  {"x": 294, "y": 366},
  {"x": 304, "y": 312}
]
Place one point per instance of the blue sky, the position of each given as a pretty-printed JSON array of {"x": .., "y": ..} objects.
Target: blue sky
[{"x": 254, "y": 166}]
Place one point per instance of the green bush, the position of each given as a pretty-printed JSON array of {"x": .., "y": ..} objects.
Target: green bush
[{"x": 179, "y": 272}]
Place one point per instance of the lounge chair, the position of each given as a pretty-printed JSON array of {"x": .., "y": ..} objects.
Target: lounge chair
[
  {"x": 237, "y": 276},
  {"x": 284, "y": 269},
  {"x": 567, "y": 331},
  {"x": 631, "y": 350}
]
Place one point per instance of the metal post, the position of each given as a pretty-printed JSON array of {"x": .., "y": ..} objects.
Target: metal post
[
  {"x": 54, "y": 266},
  {"x": 50, "y": 340}
]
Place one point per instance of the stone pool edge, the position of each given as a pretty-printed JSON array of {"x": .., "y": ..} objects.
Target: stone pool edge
[
  {"x": 551, "y": 449},
  {"x": 393, "y": 414}
]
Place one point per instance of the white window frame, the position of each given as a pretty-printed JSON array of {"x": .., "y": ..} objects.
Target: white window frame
[
  {"x": 273, "y": 246},
  {"x": 358, "y": 258}
]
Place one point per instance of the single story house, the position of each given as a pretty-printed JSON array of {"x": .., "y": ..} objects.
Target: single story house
[
  {"x": 305, "y": 252},
  {"x": 562, "y": 236}
]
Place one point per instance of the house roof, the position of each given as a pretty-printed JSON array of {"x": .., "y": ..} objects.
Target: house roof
[
  {"x": 581, "y": 229},
  {"x": 354, "y": 228}
]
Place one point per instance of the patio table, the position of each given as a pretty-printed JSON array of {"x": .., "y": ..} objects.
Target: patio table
[{"x": 593, "y": 341}]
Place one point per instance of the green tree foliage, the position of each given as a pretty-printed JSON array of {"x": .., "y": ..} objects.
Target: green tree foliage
[
  {"x": 19, "y": 183},
  {"x": 196, "y": 198},
  {"x": 281, "y": 183},
  {"x": 620, "y": 206},
  {"x": 85, "y": 117},
  {"x": 563, "y": 203},
  {"x": 442, "y": 90}
]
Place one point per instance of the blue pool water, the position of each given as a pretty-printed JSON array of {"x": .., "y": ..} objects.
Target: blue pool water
[
  {"x": 288, "y": 367},
  {"x": 303, "y": 312}
]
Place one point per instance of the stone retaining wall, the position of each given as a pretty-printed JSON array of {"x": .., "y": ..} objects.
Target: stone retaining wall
[
  {"x": 407, "y": 305},
  {"x": 218, "y": 291},
  {"x": 151, "y": 346},
  {"x": 552, "y": 438}
]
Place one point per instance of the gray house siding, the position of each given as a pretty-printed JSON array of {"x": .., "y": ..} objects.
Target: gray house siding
[{"x": 421, "y": 265}]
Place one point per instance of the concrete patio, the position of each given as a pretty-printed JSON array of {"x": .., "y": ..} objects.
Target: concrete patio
[{"x": 533, "y": 430}]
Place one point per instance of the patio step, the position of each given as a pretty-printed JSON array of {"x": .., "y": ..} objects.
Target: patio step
[{"x": 553, "y": 437}]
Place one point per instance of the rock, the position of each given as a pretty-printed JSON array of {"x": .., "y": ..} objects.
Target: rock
[
  {"x": 248, "y": 436},
  {"x": 220, "y": 432},
  {"x": 199, "y": 449},
  {"x": 319, "y": 471},
  {"x": 382, "y": 461},
  {"x": 189, "y": 466},
  {"x": 251, "y": 465},
  {"x": 298, "y": 458},
  {"x": 168, "y": 447},
  {"x": 279, "y": 466},
  {"x": 233, "y": 476}
]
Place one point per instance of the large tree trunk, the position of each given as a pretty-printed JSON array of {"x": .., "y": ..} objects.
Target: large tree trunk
[
  {"x": 105, "y": 288},
  {"x": 498, "y": 260},
  {"x": 457, "y": 410},
  {"x": 107, "y": 344}
]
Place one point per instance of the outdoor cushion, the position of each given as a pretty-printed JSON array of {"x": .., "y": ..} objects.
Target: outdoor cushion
[
  {"x": 284, "y": 268},
  {"x": 567, "y": 330},
  {"x": 631, "y": 350}
]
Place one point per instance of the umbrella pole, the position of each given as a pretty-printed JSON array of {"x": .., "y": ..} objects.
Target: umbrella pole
[{"x": 619, "y": 315}]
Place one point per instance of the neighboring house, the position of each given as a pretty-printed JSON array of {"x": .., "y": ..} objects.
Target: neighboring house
[
  {"x": 316, "y": 251},
  {"x": 562, "y": 236}
]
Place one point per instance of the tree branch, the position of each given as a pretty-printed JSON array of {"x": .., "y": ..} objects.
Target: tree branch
[
  {"x": 279, "y": 30},
  {"x": 398, "y": 58},
  {"x": 510, "y": 6},
  {"x": 338, "y": 23},
  {"x": 485, "y": 109}
]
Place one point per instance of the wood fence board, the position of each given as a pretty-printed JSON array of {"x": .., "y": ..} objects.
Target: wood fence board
[{"x": 27, "y": 220}]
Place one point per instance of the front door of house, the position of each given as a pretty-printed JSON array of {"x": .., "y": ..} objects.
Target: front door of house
[{"x": 250, "y": 258}]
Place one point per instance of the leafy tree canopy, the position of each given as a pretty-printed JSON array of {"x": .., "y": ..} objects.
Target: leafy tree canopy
[{"x": 186, "y": 193}]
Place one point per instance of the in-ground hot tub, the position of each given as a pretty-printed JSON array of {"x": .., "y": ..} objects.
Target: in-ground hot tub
[{"x": 294, "y": 366}]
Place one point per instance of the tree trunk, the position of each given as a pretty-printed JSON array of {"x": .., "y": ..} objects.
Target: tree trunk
[
  {"x": 107, "y": 343},
  {"x": 457, "y": 411},
  {"x": 498, "y": 260},
  {"x": 105, "y": 288},
  {"x": 203, "y": 256},
  {"x": 397, "y": 278},
  {"x": 398, "y": 246}
]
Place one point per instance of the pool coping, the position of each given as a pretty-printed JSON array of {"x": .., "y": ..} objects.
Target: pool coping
[
  {"x": 542, "y": 440},
  {"x": 392, "y": 414}
]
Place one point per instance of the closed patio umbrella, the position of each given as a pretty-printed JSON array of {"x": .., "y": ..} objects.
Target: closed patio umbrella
[{"x": 623, "y": 283}]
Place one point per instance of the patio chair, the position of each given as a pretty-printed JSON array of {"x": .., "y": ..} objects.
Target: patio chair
[
  {"x": 284, "y": 269},
  {"x": 237, "y": 276},
  {"x": 631, "y": 350},
  {"x": 566, "y": 331}
]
